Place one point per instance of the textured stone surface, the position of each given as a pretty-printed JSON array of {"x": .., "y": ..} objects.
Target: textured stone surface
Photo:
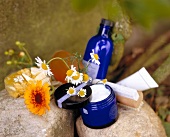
[
  {"x": 17, "y": 121},
  {"x": 131, "y": 123},
  {"x": 45, "y": 26}
]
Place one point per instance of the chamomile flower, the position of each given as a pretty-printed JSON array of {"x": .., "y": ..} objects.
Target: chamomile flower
[
  {"x": 78, "y": 78},
  {"x": 104, "y": 81},
  {"x": 85, "y": 77},
  {"x": 43, "y": 66},
  {"x": 95, "y": 58},
  {"x": 19, "y": 79},
  {"x": 82, "y": 92},
  {"x": 71, "y": 91},
  {"x": 70, "y": 73}
]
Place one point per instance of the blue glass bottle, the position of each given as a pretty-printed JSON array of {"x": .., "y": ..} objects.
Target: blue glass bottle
[{"x": 102, "y": 45}]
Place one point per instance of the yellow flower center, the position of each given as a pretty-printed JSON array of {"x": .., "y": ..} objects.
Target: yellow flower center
[
  {"x": 71, "y": 91},
  {"x": 44, "y": 66},
  {"x": 81, "y": 93},
  {"x": 96, "y": 57},
  {"x": 77, "y": 76},
  {"x": 85, "y": 77},
  {"x": 69, "y": 72},
  {"x": 104, "y": 81}
]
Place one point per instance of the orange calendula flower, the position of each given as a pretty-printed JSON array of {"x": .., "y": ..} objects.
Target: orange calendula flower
[{"x": 37, "y": 97}]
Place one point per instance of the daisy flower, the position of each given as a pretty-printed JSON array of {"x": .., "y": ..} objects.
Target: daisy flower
[
  {"x": 19, "y": 79},
  {"x": 85, "y": 77},
  {"x": 82, "y": 93},
  {"x": 37, "y": 97},
  {"x": 104, "y": 81},
  {"x": 78, "y": 78},
  {"x": 94, "y": 57},
  {"x": 71, "y": 91},
  {"x": 43, "y": 66},
  {"x": 70, "y": 73}
]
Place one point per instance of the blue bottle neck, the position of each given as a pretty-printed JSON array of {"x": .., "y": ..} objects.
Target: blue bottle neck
[{"x": 105, "y": 31}]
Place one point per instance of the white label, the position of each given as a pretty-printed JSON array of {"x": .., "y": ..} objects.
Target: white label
[{"x": 92, "y": 69}]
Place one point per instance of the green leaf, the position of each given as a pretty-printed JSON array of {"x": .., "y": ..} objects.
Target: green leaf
[
  {"x": 113, "y": 9},
  {"x": 167, "y": 128},
  {"x": 147, "y": 12},
  {"x": 118, "y": 38},
  {"x": 162, "y": 113}
]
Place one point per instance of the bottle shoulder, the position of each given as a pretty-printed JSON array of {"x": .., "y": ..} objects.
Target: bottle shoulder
[
  {"x": 100, "y": 41},
  {"x": 97, "y": 38}
]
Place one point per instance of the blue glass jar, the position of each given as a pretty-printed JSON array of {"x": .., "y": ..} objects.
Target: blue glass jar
[
  {"x": 102, "y": 113},
  {"x": 102, "y": 45}
]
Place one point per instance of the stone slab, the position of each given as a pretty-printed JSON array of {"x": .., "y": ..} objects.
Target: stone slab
[{"x": 17, "y": 121}]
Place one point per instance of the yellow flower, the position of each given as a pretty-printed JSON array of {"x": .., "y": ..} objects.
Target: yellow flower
[
  {"x": 71, "y": 91},
  {"x": 82, "y": 92},
  {"x": 43, "y": 66},
  {"x": 37, "y": 97},
  {"x": 104, "y": 81},
  {"x": 77, "y": 78},
  {"x": 95, "y": 58},
  {"x": 70, "y": 73},
  {"x": 85, "y": 77}
]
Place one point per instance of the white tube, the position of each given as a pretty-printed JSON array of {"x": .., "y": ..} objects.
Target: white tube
[
  {"x": 124, "y": 91},
  {"x": 141, "y": 80},
  {"x": 121, "y": 90}
]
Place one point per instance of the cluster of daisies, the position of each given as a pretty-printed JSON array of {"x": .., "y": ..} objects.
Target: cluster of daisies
[
  {"x": 37, "y": 91},
  {"x": 75, "y": 77}
]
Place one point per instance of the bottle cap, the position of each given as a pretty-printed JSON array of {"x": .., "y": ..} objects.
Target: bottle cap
[{"x": 107, "y": 22}]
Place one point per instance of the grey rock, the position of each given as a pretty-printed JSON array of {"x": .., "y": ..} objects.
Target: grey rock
[
  {"x": 131, "y": 123},
  {"x": 17, "y": 121}
]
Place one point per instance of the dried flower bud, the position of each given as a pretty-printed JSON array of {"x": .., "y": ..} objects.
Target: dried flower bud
[
  {"x": 17, "y": 43},
  {"x": 21, "y": 54},
  {"x": 9, "y": 62},
  {"x": 6, "y": 53},
  {"x": 11, "y": 52}
]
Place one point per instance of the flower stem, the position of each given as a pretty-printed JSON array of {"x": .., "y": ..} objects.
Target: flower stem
[
  {"x": 29, "y": 57},
  {"x": 22, "y": 63},
  {"x": 59, "y": 59},
  {"x": 52, "y": 90},
  {"x": 88, "y": 63}
]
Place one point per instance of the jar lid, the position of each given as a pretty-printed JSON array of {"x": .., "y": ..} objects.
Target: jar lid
[
  {"x": 71, "y": 102},
  {"x": 107, "y": 22}
]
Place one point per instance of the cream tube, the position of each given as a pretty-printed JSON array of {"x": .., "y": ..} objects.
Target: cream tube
[
  {"x": 121, "y": 90},
  {"x": 124, "y": 91},
  {"x": 141, "y": 80}
]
